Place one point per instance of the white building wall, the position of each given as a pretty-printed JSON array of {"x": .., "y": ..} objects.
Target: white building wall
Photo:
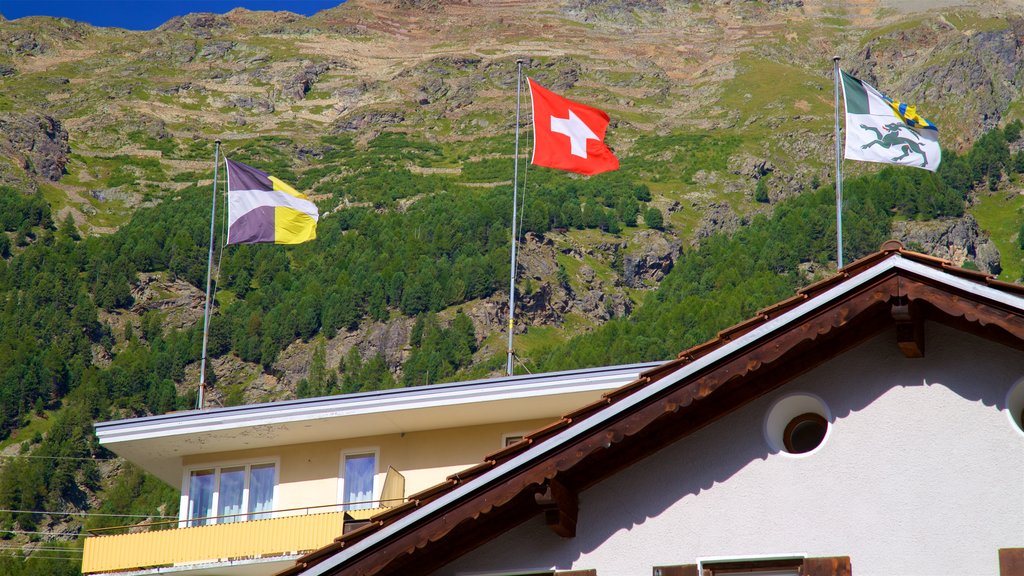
[{"x": 922, "y": 473}]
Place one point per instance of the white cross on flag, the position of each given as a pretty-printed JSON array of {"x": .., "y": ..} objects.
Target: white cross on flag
[{"x": 569, "y": 135}]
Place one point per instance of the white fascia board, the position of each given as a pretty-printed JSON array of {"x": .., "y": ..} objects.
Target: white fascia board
[
  {"x": 640, "y": 396},
  {"x": 987, "y": 292},
  {"x": 196, "y": 422}
]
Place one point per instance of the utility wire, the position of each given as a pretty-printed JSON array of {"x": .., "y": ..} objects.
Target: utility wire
[
  {"x": 41, "y": 549},
  {"x": 43, "y": 533},
  {"x": 54, "y": 513},
  {"x": 57, "y": 457},
  {"x": 34, "y": 557}
]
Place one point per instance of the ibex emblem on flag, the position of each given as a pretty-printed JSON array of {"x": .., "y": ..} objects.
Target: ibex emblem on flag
[{"x": 892, "y": 138}]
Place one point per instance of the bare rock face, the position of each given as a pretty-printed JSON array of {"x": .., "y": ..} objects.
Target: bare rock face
[
  {"x": 955, "y": 239},
  {"x": 617, "y": 10},
  {"x": 367, "y": 121},
  {"x": 536, "y": 257},
  {"x": 202, "y": 24},
  {"x": 984, "y": 77},
  {"x": 650, "y": 256},
  {"x": 253, "y": 104},
  {"x": 719, "y": 217},
  {"x": 751, "y": 167},
  {"x": 427, "y": 5},
  {"x": 180, "y": 302},
  {"x": 602, "y": 304},
  {"x": 540, "y": 299},
  {"x": 303, "y": 82},
  {"x": 40, "y": 142}
]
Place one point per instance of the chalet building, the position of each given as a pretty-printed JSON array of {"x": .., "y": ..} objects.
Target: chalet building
[
  {"x": 263, "y": 484},
  {"x": 869, "y": 425}
]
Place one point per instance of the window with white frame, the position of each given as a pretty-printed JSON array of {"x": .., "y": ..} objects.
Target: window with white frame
[
  {"x": 359, "y": 478},
  {"x": 225, "y": 494}
]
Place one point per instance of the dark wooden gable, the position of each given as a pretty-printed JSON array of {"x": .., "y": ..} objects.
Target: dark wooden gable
[{"x": 549, "y": 484}]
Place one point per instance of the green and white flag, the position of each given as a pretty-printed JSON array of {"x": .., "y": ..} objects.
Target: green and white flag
[{"x": 880, "y": 129}]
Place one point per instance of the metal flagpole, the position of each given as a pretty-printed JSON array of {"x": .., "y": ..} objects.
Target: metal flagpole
[
  {"x": 209, "y": 271},
  {"x": 839, "y": 174},
  {"x": 515, "y": 201}
]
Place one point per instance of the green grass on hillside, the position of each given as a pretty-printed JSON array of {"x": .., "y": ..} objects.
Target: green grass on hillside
[
  {"x": 40, "y": 424},
  {"x": 794, "y": 91},
  {"x": 1001, "y": 215}
]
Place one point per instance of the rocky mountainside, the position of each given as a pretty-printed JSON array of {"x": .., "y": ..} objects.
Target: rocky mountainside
[{"x": 710, "y": 99}]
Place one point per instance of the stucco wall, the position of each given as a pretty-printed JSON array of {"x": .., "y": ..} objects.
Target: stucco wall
[
  {"x": 308, "y": 474},
  {"x": 922, "y": 473}
]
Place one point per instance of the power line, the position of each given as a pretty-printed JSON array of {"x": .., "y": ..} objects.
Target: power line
[
  {"x": 34, "y": 557},
  {"x": 56, "y": 457},
  {"x": 41, "y": 549},
  {"x": 52, "y": 513},
  {"x": 43, "y": 533}
]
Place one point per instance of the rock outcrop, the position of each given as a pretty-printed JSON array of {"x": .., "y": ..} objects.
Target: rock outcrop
[
  {"x": 38, "y": 141},
  {"x": 649, "y": 256},
  {"x": 956, "y": 239}
]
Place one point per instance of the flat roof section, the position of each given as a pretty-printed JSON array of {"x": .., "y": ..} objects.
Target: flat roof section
[{"x": 158, "y": 443}]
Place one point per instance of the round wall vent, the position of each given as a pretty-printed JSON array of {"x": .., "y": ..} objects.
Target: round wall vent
[
  {"x": 1015, "y": 404},
  {"x": 797, "y": 424}
]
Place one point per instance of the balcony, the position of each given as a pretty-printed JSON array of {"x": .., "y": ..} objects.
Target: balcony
[{"x": 253, "y": 547}]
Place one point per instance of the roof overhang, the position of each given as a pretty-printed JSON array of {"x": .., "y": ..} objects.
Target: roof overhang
[{"x": 158, "y": 443}]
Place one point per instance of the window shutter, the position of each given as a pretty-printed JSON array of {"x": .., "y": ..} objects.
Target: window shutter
[
  {"x": 1011, "y": 562},
  {"x": 835, "y": 566}
]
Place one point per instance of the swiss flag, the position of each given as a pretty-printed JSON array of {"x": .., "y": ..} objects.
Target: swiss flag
[{"x": 569, "y": 135}]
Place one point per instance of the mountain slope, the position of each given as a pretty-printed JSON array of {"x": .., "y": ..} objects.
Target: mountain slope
[{"x": 397, "y": 117}]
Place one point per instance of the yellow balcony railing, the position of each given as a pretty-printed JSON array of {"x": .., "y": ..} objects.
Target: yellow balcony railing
[{"x": 214, "y": 543}]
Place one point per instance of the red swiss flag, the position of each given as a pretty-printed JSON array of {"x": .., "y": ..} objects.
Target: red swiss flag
[{"x": 569, "y": 135}]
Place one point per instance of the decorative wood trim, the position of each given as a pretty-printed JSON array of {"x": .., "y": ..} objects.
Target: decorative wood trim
[
  {"x": 561, "y": 508},
  {"x": 1011, "y": 562},
  {"x": 702, "y": 398},
  {"x": 909, "y": 328}
]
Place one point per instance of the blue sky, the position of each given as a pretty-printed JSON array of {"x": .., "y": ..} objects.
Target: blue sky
[{"x": 147, "y": 14}]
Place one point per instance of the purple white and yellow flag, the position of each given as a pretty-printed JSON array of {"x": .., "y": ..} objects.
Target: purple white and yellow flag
[{"x": 262, "y": 208}]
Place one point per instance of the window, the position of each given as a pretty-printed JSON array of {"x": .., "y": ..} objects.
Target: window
[
  {"x": 357, "y": 485},
  {"x": 510, "y": 439},
  {"x": 225, "y": 494},
  {"x": 783, "y": 566}
]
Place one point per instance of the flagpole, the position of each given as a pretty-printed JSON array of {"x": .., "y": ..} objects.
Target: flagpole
[
  {"x": 515, "y": 202},
  {"x": 839, "y": 173},
  {"x": 209, "y": 272}
]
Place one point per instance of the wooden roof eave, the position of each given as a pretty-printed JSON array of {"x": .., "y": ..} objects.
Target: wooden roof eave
[
  {"x": 695, "y": 390},
  {"x": 698, "y": 399}
]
